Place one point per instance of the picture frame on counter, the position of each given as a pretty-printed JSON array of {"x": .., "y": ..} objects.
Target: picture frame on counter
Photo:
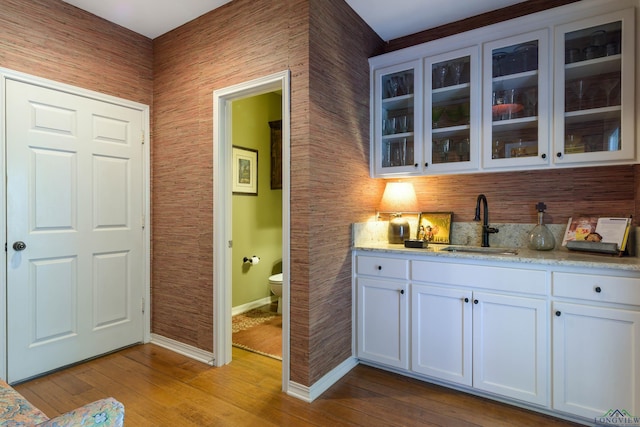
[
  {"x": 245, "y": 171},
  {"x": 435, "y": 227}
]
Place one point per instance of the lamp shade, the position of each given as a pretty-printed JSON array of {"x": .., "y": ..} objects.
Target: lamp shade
[{"x": 399, "y": 197}]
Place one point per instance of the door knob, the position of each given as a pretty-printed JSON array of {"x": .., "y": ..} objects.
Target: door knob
[{"x": 19, "y": 246}]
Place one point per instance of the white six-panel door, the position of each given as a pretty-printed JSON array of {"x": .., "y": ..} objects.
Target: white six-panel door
[{"x": 75, "y": 199}]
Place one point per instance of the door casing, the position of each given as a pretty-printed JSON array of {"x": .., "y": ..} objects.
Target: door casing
[{"x": 222, "y": 211}]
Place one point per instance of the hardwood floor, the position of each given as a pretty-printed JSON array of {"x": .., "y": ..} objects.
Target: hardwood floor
[
  {"x": 162, "y": 388},
  {"x": 259, "y": 330}
]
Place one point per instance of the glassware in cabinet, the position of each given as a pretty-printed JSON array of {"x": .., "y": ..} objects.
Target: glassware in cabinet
[
  {"x": 595, "y": 89},
  {"x": 396, "y": 99},
  {"x": 516, "y": 103},
  {"x": 452, "y": 113}
]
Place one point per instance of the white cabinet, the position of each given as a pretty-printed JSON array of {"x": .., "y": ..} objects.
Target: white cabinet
[
  {"x": 452, "y": 113},
  {"x": 594, "y": 95},
  {"x": 492, "y": 341},
  {"x": 596, "y": 345},
  {"x": 396, "y": 122},
  {"x": 551, "y": 89},
  {"x": 382, "y": 311},
  {"x": 562, "y": 338},
  {"x": 516, "y": 107},
  {"x": 510, "y": 346},
  {"x": 596, "y": 359},
  {"x": 441, "y": 335}
]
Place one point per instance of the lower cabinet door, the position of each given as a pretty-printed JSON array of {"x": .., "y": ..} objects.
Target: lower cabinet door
[
  {"x": 382, "y": 317},
  {"x": 441, "y": 333},
  {"x": 510, "y": 349},
  {"x": 596, "y": 360}
]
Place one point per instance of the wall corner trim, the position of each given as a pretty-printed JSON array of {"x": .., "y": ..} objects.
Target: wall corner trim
[
  {"x": 309, "y": 394},
  {"x": 184, "y": 349}
]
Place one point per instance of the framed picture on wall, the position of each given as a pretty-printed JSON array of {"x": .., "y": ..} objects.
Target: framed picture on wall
[
  {"x": 245, "y": 171},
  {"x": 276, "y": 154}
]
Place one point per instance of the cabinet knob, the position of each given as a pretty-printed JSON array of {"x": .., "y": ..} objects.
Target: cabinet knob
[
  {"x": 558, "y": 155},
  {"x": 426, "y": 164},
  {"x": 466, "y": 300},
  {"x": 379, "y": 267},
  {"x": 475, "y": 301},
  {"x": 401, "y": 291},
  {"x": 558, "y": 313},
  {"x": 598, "y": 289},
  {"x": 543, "y": 155},
  {"x": 415, "y": 165}
]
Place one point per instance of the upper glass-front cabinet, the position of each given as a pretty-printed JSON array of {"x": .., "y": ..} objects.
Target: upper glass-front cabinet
[
  {"x": 594, "y": 97},
  {"x": 550, "y": 90},
  {"x": 396, "y": 119},
  {"x": 452, "y": 116},
  {"x": 516, "y": 104}
]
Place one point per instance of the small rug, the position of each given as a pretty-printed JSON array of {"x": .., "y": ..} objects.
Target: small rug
[{"x": 258, "y": 331}]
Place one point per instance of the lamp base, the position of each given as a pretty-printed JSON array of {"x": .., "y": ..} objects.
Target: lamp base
[{"x": 399, "y": 230}]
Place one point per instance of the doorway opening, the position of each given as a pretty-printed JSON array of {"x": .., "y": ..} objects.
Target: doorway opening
[{"x": 223, "y": 258}]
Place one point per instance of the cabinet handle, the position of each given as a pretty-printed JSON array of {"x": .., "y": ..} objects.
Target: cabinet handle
[
  {"x": 558, "y": 155},
  {"x": 598, "y": 289},
  {"x": 379, "y": 267},
  {"x": 475, "y": 301},
  {"x": 401, "y": 291},
  {"x": 415, "y": 165},
  {"x": 543, "y": 155},
  {"x": 426, "y": 165},
  {"x": 466, "y": 300},
  {"x": 558, "y": 313}
]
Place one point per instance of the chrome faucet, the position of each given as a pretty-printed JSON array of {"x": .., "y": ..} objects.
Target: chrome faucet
[{"x": 486, "y": 230}]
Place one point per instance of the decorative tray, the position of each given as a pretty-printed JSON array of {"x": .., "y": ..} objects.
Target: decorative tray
[
  {"x": 500, "y": 109},
  {"x": 600, "y": 247}
]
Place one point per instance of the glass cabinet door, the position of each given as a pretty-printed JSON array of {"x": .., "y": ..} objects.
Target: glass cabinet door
[
  {"x": 396, "y": 121},
  {"x": 452, "y": 116},
  {"x": 595, "y": 89},
  {"x": 516, "y": 101}
]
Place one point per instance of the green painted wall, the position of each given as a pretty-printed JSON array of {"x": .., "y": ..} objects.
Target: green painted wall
[{"x": 257, "y": 220}]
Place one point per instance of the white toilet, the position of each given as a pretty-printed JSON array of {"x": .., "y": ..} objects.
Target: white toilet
[{"x": 275, "y": 283}]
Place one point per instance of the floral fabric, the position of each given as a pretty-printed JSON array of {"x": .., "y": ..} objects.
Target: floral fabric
[
  {"x": 16, "y": 411},
  {"x": 102, "y": 413}
]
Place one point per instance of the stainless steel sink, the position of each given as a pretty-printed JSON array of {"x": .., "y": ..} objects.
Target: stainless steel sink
[{"x": 480, "y": 250}]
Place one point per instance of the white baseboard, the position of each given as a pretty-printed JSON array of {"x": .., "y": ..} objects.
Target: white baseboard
[
  {"x": 309, "y": 394},
  {"x": 184, "y": 349},
  {"x": 251, "y": 305}
]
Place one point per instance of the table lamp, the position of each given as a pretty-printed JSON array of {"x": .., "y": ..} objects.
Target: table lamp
[{"x": 398, "y": 198}]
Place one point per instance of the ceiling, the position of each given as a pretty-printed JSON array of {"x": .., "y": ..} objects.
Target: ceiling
[{"x": 391, "y": 19}]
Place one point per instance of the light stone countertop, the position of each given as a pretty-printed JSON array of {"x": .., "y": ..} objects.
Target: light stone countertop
[
  {"x": 372, "y": 237},
  {"x": 525, "y": 256}
]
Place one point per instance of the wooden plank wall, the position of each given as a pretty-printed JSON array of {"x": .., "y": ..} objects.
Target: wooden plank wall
[
  {"x": 340, "y": 187},
  {"x": 57, "y": 41},
  {"x": 330, "y": 187},
  {"x": 512, "y": 196},
  {"x": 238, "y": 42}
]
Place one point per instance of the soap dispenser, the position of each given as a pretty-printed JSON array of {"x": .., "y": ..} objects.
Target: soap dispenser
[{"x": 541, "y": 238}]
